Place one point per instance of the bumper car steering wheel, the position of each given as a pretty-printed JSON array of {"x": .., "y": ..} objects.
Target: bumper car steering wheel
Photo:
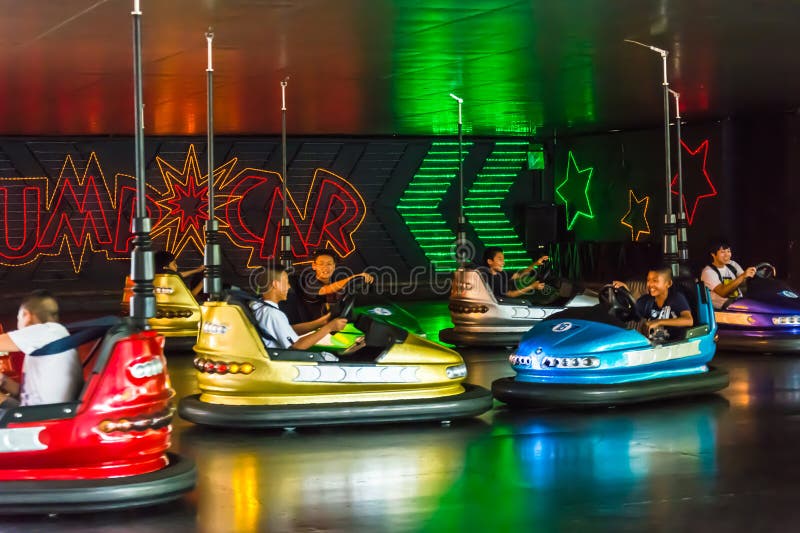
[
  {"x": 544, "y": 273},
  {"x": 344, "y": 307},
  {"x": 765, "y": 271},
  {"x": 619, "y": 301}
]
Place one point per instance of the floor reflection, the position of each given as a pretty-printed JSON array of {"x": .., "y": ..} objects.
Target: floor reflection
[
  {"x": 720, "y": 462},
  {"x": 347, "y": 479},
  {"x": 549, "y": 469}
]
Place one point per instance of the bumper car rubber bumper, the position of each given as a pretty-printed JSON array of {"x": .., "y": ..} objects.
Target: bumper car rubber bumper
[
  {"x": 179, "y": 344},
  {"x": 88, "y": 495},
  {"x": 480, "y": 338},
  {"x": 757, "y": 341},
  {"x": 520, "y": 393},
  {"x": 472, "y": 402}
]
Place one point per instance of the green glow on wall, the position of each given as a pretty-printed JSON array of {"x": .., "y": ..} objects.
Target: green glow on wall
[
  {"x": 482, "y": 203},
  {"x": 574, "y": 192},
  {"x": 435, "y": 53},
  {"x": 419, "y": 205}
]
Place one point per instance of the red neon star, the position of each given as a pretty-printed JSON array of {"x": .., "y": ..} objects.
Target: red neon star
[
  {"x": 711, "y": 190},
  {"x": 189, "y": 204},
  {"x": 185, "y": 202}
]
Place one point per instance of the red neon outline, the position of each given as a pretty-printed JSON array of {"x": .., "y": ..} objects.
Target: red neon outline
[
  {"x": 4, "y": 191},
  {"x": 90, "y": 209},
  {"x": 150, "y": 204},
  {"x": 63, "y": 218},
  {"x": 333, "y": 232},
  {"x": 200, "y": 194},
  {"x": 690, "y": 214}
]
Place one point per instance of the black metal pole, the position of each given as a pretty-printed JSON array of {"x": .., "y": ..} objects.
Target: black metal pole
[
  {"x": 670, "y": 225},
  {"x": 212, "y": 256},
  {"x": 683, "y": 238},
  {"x": 461, "y": 236},
  {"x": 143, "y": 301},
  {"x": 285, "y": 236}
]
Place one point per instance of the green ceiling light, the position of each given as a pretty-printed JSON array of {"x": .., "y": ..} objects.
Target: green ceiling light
[
  {"x": 419, "y": 205},
  {"x": 483, "y": 204},
  {"x": 574, "y": 192}
]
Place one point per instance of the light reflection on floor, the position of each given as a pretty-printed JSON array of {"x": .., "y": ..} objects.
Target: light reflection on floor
[{"x": 722, "y": 462}]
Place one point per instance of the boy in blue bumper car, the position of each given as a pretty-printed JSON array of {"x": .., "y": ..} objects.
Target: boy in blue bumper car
[{"x": 664, "y": 314}]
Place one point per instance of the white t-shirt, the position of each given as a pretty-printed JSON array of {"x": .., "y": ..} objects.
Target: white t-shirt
[
  {"x": 712, "y": 279},
  {"x": 47, "y": 379},
  {"x": 274, "y": 321}
]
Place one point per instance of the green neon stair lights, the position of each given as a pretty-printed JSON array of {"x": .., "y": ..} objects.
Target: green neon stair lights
[
  {"x": 419, "y": 205},
  {"x": 483, "y": 201}
]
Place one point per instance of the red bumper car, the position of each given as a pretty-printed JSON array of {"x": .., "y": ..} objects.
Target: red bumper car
[{"x": 107, "y": 449}]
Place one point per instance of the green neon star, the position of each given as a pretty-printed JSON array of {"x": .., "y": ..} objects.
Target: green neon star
[{"x": 576, "y": 191}]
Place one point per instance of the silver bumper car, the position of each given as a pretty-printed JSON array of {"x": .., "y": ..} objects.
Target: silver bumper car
[{"x": 481, "y": 319}]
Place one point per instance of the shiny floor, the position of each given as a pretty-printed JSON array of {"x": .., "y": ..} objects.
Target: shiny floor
[{"x": 724, "y": 462}]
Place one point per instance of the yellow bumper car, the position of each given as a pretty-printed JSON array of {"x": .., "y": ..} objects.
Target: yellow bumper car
[
  {"x": 372, "y": 372},
  {"x": 177, "y": 312}
]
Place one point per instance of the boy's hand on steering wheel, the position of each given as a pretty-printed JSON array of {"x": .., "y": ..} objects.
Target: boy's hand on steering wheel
[
  {"x": 536, "y": 286},
  {"x": 617, "y": 284},
  {"x": 750, "y": 272},
  {"x": 321, "y": 321},
  {"x": 337, "y": 324}
]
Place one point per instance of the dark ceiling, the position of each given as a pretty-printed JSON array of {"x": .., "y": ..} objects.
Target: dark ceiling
[{"x": 376, "y": 67}]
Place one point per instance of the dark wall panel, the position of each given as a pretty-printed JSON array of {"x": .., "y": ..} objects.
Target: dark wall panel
[
  {"x": 65, "y": 204},
  {"x": 70, "y": 231}
]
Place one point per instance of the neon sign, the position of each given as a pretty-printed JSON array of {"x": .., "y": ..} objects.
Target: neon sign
[
  {"x": 574, "y": 192},
  {"x": 84, "y": 213},
  {"x": 636, "y": 217},
  {"x": 711, "y": 191}
]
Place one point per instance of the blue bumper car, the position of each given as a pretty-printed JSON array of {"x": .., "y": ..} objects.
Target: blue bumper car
[
  {"x": 587, "y": 356},
  {"x": 766, "y": 319}
]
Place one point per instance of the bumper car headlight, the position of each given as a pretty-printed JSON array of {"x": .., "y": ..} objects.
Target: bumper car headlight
[
  {"x": 570, "y": 362},
  {"x": 213, "y": 328},
  {"x": 786, "y": 320},
  {"x": 456, "y": 372}
]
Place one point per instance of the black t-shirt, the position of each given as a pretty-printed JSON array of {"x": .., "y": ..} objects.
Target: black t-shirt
[
  {"x": 674, "y": 305},
  {"x": 315, "y": 305},
  {"x": 499, "y": 283}
]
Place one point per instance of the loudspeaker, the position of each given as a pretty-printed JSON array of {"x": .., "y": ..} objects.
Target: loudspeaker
[{"x": 544, "y": 224}]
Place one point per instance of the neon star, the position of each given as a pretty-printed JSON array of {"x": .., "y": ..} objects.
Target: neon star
[
  {"x": 185, "y": 202},
  {"x": 189, "y": 204},
  {"x": 710, "y": 190},
  {"x": 636, "y": 217},
  {"x": 575, "y": 193}
]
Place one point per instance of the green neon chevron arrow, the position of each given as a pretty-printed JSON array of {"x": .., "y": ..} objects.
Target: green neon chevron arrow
[
  {"x": 482, "y": 204},
  {"x": 419, "y": 205}
]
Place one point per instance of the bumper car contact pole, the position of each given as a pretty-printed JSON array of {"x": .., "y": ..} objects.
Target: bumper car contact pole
[
  {"x": 461, "y": 237},
  {"x": 143, "y": 301},
  {"x": 683, "y": 242},
  {"x": 670, "y": 229},
  {"x": 286, "y": 243},
  {"x": 212, "y": 281}
]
